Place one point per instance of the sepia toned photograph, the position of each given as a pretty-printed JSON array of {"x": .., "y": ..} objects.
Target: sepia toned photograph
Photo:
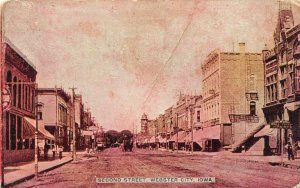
[{"x": 150, "y": 93}]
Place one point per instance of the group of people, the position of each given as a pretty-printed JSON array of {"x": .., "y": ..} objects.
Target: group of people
[{"x": 59, "y": 150}]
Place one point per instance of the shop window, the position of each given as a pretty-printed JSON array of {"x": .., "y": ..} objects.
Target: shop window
[
  {"x": 19, "y": 132},
  {"x": 32, "y": 143},
  {"x": 9, "y": 79},
  {"x": 7, "y": 130},
  {"x": 26, "y": 143},
  {"x": 252, "y": 108},
  {"x": 13, "y": 131}
]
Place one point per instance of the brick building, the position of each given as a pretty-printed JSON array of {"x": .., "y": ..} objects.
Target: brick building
[
  {"x": 232, "y": 87},
  {"x": 282, "y": 73},
  {"x": 18, "y": 79},
  {"x": 58, "y": 115}
]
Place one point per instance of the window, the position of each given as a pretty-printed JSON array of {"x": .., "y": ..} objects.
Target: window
[
  {"x": 39, "y": 115},
  {"x": 32, "y": 143},
  {"x": 15, "y": 92},
  {"x": 19, "y": 132},
  {"x": 19, "y": 94},
  {"x": 252, "y": 108},
  {"x": 198, "y": 115},
  {"x": 26, "y": 143},
  {"x": 252, "y": 81},
  {"x": 26, "y": 95},
  {"x": 9, "y": 79},
  {"x": 13, "y": 131},
  {"x": 7, "y": 130}
]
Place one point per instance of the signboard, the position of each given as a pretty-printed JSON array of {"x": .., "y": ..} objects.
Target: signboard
[
  {"x": 87, "y": 133},
  {"x": 234, "y": 118},
  {"x": 282, "y": 124},
  {"x": 93, "y": 128}
]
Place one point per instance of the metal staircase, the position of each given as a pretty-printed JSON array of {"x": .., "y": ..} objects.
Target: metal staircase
[{"x": 238, "y": 146}]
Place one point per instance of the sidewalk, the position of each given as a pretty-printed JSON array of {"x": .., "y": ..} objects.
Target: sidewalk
[
  {"x": 16, "y": 174},
  {"x": 272, "y": 160}
]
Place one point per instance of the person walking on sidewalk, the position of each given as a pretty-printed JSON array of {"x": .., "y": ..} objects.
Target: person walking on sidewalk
[
  {"x": 60, "y": 150},
  {"x": 290, "y": 151}
]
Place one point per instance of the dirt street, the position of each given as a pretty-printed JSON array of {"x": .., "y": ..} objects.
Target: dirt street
[{"x": 144, "y": 163}]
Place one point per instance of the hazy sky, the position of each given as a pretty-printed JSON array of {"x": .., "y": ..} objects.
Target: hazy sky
[{"x": 128, "y": 57}]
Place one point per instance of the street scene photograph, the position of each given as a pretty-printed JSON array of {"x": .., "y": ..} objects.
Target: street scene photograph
[{"x": 150, "y": 93}]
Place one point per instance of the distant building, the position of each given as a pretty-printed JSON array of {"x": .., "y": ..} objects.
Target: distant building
[
  {"x": 19, "y": 83},
  {"x": 282, "y": 77},
  {"x": 144, "y": 125},
  {"x": 169, "y": 121},
  {"x": 232, "y": 86},
  {"x": 58, "y": 115},
  {"x": 79, "y": 113}
]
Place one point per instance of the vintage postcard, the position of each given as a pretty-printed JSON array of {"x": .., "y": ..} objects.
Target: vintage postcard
[{"x": 150, "y": 93}]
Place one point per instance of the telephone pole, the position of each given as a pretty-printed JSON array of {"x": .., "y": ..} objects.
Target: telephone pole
[{"x": 74, "y": 127}]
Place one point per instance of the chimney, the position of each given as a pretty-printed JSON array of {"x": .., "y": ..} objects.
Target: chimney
[{"x": 242, "y": 47}]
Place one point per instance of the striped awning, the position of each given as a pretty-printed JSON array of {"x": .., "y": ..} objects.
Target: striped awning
[
  {"x": 42, "y": 132},
  {"x": 28, "y": 130}
]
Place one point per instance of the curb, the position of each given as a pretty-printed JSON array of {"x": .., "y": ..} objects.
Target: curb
[{"x": 33, "y": 175}]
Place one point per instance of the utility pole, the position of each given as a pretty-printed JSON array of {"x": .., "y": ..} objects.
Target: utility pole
[
  {"x": 74, "y": 127},
  {"x": 192, "y": 127},
  {"x": 1, "y": 109},
  {"x": 177, "y": 131},
  {"x": 36, "y": 133}
]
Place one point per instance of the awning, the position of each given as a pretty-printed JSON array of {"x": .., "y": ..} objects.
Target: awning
[
  {"x": 212, "y": 132},
  {"x": 145, "y": 141},
  {"x": 28, "y": 130},
  {"x": 292, "y": 106},
  {"x": 152, "y": 139},
  {"x": 42, "y": 132},
  {"x": 181, "y": 137}
]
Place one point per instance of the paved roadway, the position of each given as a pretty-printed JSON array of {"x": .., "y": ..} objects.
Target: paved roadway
[{"x": 144, "y": 163}]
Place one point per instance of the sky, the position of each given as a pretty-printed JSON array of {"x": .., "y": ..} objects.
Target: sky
[{"x": 127, "y": 57}]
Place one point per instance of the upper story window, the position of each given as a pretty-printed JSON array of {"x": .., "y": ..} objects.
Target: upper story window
[
  {"x": 15, "y": 92},
  {"x": 198, "y": 115},
  {"x": 252, "y": 108}
]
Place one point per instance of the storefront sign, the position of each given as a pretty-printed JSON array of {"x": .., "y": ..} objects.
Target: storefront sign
[{"x": 281, "y": 124}]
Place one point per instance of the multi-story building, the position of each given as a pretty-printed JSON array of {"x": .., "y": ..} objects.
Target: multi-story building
[
  {"x": 282, "y": 73},
  {"x": 58, "y": 115},
  {"x": 169, "y": 121},
  {"x": 19, "y": 83},
  {"x": 232, "y": 86},
  {"x": 144, "y": 125},
  {"x": 183, "y": 112},
  {"x": 161, "y": 128},
  {"x": 79, "y": 112}
]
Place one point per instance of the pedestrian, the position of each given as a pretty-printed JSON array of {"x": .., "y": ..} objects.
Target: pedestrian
[
  {"x": 46, "y": 151},
  {"x": 290, "y": 151},
  {"x": 60, "y": 152}
]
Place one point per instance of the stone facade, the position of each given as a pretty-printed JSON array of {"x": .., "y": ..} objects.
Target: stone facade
[{"x": 282, "y": 73}]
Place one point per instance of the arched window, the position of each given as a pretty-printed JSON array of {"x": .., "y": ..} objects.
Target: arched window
[
  {"x": 15, "y": 92},
  {"x": 19, "y": 94},
  {"x": 252, "y": 108},
  {"x": 26, "y": 95},
  {"x": 9, "y": 79}
]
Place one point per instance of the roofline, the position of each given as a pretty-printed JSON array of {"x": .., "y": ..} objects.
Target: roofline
[{"x": 18, "y": 51}]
